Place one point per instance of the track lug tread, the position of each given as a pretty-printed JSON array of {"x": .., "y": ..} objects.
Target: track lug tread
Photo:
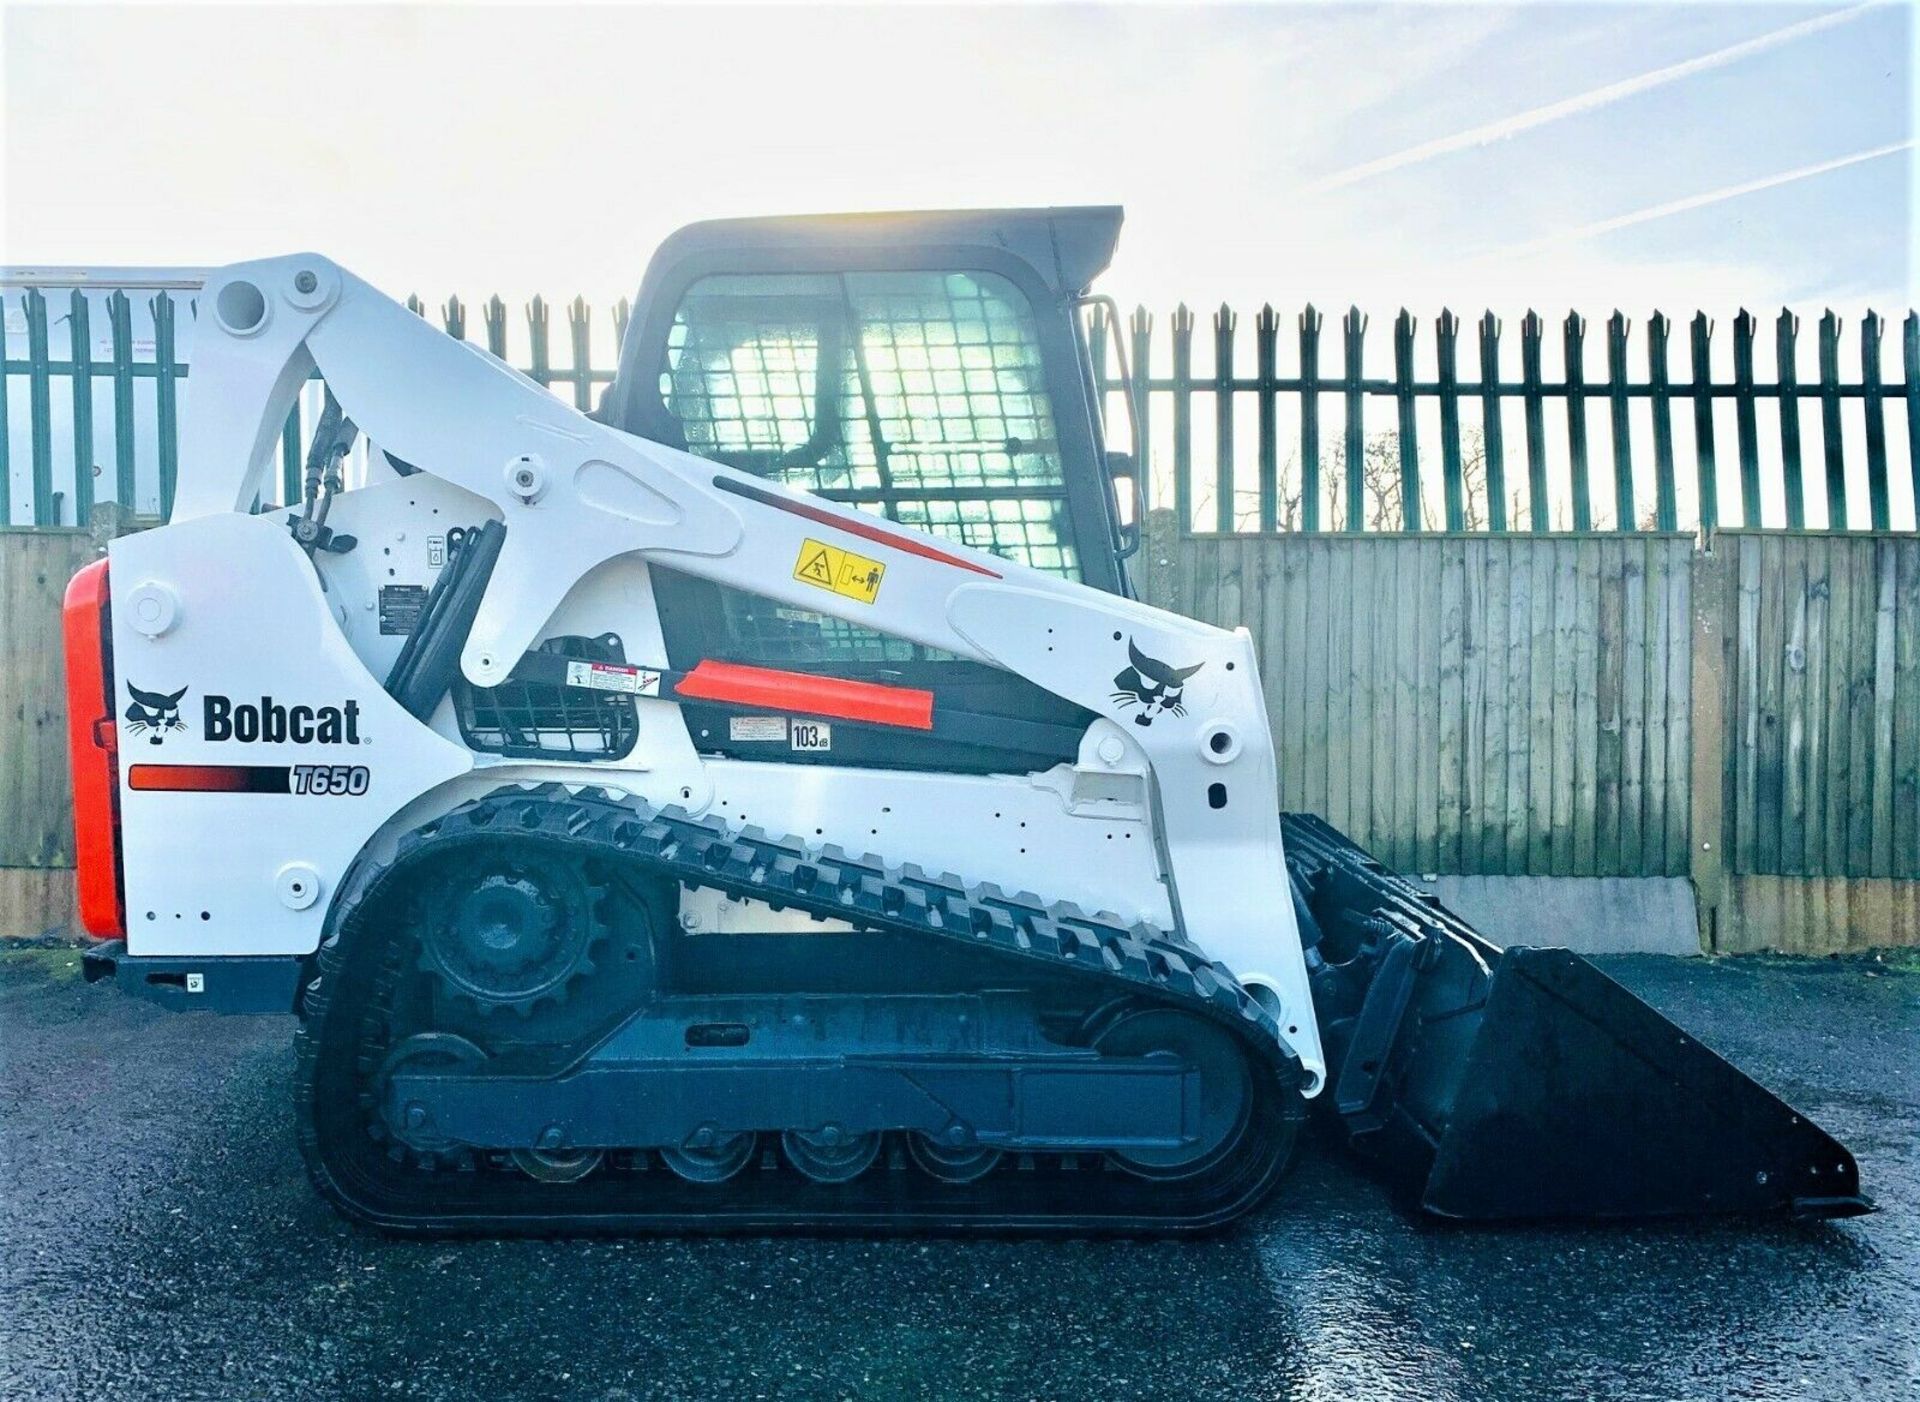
[{"x": 1138, "y": 962}]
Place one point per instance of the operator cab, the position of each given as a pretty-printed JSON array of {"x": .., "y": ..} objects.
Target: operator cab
[{"x": 931, "y": 368}]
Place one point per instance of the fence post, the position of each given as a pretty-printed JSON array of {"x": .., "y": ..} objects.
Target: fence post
[
  {"x": 1911, "y": 363},
  {"x": 1786, "y": 375},
  {"x": 1747, "y": 431},
  {"x": 165, "y": 421},
  {"x": 1666, "y": 506},
  {"x": 1532, "y": 333},
  {"x": 495, "y": 315},
  {"x": 40, "y": 407},
  {"x": 1182, "y": 325},
  {"x": 622, "y": 314},
  {"x": 1836, "y": 457},
  {"x": 1447, "y": 359},
  {"x": 1712, "y": 591},
  {"x": 1625, "y": 508},
  {"x": 1870, "y": 330},
  {"x": 80, "y": 337},
  {"x": 1097, "y": 330},
  {"x": 1708, "y": 472},
  {"x": 1403, "y": 326},
  {"x": 540, "y": 350},
  {"x": 580, "y": 329},
  {"x": 1310, "y": 323},
  {"x": 6, "y": 439},
  {"x": 1157, "y": 576},
  {"x": 453, "y": 316},
  {"x": 110, "y": 521},
  {"x": 1266, "y": 358},
  {"x": 1142, "y": 329},
  {"x": 1491, "y": 427},
  {"x": 120, "y": 321},
  {"x": 1224, "y": 322},
  {"x": 1354, "y": 329},
  {"x": 1575, "y": 350}
]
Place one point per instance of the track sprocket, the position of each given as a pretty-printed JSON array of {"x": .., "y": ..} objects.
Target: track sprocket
[{"x": 508, "y": 937}]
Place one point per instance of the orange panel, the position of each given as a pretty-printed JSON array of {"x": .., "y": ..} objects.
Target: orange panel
[{"x": 834, "y": 697}]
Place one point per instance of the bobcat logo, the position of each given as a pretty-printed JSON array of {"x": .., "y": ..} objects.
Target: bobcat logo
[
  {"x": 1151, "y": 685},
  {"x": 154, "y": 711}
]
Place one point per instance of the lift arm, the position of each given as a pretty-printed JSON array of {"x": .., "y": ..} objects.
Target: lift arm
[{"x": 574, "y": 493}]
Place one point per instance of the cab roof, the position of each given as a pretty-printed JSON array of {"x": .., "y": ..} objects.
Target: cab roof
[{"x": 1067, "y": 247}]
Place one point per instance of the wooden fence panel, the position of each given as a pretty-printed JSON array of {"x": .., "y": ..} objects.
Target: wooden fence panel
[
  {"x": 1822, "y": 775},
  {"x": 35, "y": 799},
  {"x": 1492, "y": 705},
  {"x": 1475, "y": 705},
  {"x": 1508, "y": 705}
]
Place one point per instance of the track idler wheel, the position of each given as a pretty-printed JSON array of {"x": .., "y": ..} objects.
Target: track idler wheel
[
  {"x": 1226, "y": 1088},
  {"x": 412, "y": 1127}
]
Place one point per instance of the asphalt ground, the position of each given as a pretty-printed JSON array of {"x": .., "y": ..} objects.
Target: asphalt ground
[{"x": 158, "y": 1240}]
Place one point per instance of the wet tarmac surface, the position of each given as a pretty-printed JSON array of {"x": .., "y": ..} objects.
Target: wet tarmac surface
[{"x": 157, "y": 1239}]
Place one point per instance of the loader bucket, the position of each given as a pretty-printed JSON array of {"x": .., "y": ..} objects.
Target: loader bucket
[{"x": 1524, "y": 1083}]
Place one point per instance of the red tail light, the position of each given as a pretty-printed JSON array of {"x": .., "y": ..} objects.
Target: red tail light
[{"x": 93, "y": 753}]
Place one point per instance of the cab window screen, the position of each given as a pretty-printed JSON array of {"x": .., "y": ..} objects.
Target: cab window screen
[{"x": 918, "y": 395}]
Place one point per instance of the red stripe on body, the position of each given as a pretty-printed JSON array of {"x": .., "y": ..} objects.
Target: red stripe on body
[
  {"x": 209, "y": 778},
  {"x": 906, "y": 545}
]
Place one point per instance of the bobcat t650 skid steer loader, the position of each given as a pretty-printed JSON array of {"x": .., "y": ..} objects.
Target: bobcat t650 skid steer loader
[{"x": 762, "y": 804}]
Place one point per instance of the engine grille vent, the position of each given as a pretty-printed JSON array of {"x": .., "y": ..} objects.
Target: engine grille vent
[{"x": 522, "y": 719}]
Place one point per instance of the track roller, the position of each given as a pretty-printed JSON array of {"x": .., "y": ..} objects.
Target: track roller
[
  {"x": 715, "y": 1162},
  {"x": 830, "y": 1155}
]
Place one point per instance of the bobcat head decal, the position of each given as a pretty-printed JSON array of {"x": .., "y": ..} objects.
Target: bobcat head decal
[
  {"x": 1152, "y": 685},
  {"x": 154, "y": 713}
]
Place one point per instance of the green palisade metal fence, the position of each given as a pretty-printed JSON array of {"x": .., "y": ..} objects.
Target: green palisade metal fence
[
  {"x": 1433, "y": 439},
  {"x": 79, "y": 370},
  {"x": 1391, "y": 425}
]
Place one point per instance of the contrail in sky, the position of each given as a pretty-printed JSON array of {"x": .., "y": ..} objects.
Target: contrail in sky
[
  {"x": 1725, "y": 192},
  {"x": 1583, "y": 102}
]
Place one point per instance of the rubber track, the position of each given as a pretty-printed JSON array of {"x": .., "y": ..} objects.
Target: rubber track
[{"x": 1149, "y": 964}]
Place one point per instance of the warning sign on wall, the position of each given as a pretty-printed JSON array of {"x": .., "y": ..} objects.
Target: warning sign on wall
[{"x": 839, "y": 571}]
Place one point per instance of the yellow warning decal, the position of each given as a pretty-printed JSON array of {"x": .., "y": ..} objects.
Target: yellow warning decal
[{"x": 829, "y": 567}]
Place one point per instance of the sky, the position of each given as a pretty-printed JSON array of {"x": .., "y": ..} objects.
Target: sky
[{"x": 1560, "y": 155}]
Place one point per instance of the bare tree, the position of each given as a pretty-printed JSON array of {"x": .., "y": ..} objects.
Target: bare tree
[{"x": 1381, "y": 491}]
